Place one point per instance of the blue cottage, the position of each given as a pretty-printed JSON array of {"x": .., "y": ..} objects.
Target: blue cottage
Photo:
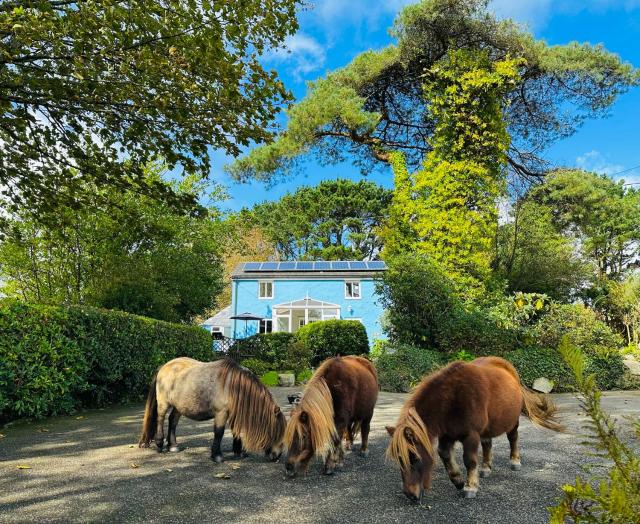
[{"x": 288, "y": 295}]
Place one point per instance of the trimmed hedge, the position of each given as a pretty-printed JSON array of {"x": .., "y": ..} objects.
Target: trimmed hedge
[
  {"x": 330, "y": 338},
  {"x": 534, "y": 362},
  {"x": 55, "y": 359},
  {"x": 402, "y": 366}
]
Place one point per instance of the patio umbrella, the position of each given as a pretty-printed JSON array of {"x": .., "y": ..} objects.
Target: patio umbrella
[{"x": 246, "y": 317}]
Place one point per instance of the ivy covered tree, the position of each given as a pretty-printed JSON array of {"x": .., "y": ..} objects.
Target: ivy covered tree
[
  {"x": 450, "y": 205},
  {"x": 90, "y": 91},
  {"x": 376, "y": 104},
  {"x": 337, "y": 219}
]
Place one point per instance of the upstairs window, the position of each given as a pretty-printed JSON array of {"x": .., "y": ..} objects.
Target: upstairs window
[
  {"x": 352, "y": 289},
  {"x": 265, "y": 289}
]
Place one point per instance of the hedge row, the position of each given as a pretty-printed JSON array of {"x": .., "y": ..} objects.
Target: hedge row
[{"x": 55, "y": 359}]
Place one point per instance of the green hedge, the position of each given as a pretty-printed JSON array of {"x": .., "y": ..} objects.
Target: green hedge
[
  {"x": 55, "y": 359},
  {"x": 329, "y": 338},
  {"x": 535, "y": 362},
  {"x": 402, "y": 366}
]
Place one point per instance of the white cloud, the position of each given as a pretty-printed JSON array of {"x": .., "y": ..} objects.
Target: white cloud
[
  {"x": 302, "y": 53},
  {"x": 596, "y": 162}
]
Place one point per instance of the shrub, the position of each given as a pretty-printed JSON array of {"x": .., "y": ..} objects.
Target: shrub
[
  {"x": 303, "y": 376},
  {"x": 329, "y": 338},
  {"x": 268, "y": 347},
  {"x": 418, "y": 300},
  {"x": 297, "y": 357},
  {"x": 401, "y": 366},
  {"x": 580, "y": 324},
  {"x": 55, "y": 359},
  {"x": 259, "y": 367},
  {"x": 270, "y": 378},
  {"x": 533, "y": 362}
]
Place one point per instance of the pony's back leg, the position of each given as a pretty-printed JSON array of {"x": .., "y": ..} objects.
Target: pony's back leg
[
  {"x": 487, "y": 457},
  {"x": 470, "y": 455},
  {"x": 364, "y": 436},
  {"x": 174, "y": 417},
  {"x": 163, "y": 407},
  {"x": 514, "y": 459},
  {"x": 237, "y": 447}
]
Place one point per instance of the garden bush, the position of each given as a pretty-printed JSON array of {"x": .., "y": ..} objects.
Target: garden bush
[
  {"x": 257, "y": 366},
  {"x": 401, "y": 366},
  {"x": 270, "y": 378},
  {"x": 580, "y": 324},
  {"x": 534, "y": 362},
  {"x": 55, "y": 359},
  {"x": 268, "y": 347},
  {"x": 329, "y": 338}
]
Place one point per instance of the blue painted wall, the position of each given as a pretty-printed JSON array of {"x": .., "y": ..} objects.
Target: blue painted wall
[{"x": 245, "y": 299}]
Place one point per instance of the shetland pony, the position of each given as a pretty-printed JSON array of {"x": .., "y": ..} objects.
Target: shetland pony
[
  {"x": 467, "y": 402},
  {"x": 338, "y": 400},
  {"x": 222, "y": 391}
]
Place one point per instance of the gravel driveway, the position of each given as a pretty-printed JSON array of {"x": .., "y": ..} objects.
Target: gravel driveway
[{"x": 87, "y": 468}]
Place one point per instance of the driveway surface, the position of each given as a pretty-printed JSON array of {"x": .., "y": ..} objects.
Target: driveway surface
[{"x": 88, "y": 468}]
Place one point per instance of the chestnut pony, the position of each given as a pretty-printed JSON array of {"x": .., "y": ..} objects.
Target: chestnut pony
[
  {"x": 338, "y": 400},
  {"x": 467, "y": 402},
  {"x": 222, "y": 391}
]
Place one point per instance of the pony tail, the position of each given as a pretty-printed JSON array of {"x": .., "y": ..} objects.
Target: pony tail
[
  {"x": 540, "y": 409},
  {"x": 149, "y": 423}
]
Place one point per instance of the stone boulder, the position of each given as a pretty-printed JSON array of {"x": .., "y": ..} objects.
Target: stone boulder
[{"x": 286, "y": 379}]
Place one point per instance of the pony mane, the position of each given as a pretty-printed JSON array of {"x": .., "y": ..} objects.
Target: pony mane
[
  {"x": 252, "y": 410},
  {"x": 400, "y": 446},
  {"x": 317, "y": 403}
]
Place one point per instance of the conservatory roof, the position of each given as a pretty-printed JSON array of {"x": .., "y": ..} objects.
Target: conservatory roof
[{"x": 306, "y": 303}]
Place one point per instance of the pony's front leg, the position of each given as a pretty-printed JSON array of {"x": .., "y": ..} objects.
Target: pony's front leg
[
  {"x": 174, "y": 417},
  {"x": 219, "y": 423},
  {"x": 445, "y": 450},
  {"x": 470, "y": 455},
  {"x": 487, "y": 457},
  {"x": 237, "y": 447},
  {"x": 335, "y": 456}
]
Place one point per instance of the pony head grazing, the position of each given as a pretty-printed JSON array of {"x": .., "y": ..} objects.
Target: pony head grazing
[
  {"x": 253, "y": 414},
  {"x": 412, "y": 449},
  {"x": 311, "y": 430}
]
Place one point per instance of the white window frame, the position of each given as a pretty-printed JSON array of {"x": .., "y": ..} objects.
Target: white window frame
[
  {"x": 265, "y": 320},
  {"x": 346, "y": 287},
  {"x": 260, "y": 282}
]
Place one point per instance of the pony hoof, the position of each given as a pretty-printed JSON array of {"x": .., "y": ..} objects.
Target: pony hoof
[
  {"x": 364, "y": 453},
  {"x": 174, "y": 449},
  {"x": 469, "y": 493},
  {"x": 516, "y": 466},
  {"x": 484, "y": 473},
  {"x": 459, "y": 484},
  {"x": 328, "y": 471},
  {"x": 218, "y": 459}
]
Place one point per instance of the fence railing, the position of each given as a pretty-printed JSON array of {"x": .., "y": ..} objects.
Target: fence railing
[{"x": 232, "y": 348}]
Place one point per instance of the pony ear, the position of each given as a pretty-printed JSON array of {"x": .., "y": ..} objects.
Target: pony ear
[
  {"x": 408, "y": 433},
  {"x": 303, "y": 416},
  {"x": 391, "y": 430}
]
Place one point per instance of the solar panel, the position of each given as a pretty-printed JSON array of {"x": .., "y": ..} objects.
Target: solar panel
[
  {"x": 269, "y": 266},
  {"x": 304, "y": 266},
  {"x": 358, "y": 265},
  {"x": 339, "y": 265},
  {"x": 321, "y": 265},
  {"x": 287, "y": 266},
  {"x": 252, "y": 266},
  {"x": 376, "y": 264}
]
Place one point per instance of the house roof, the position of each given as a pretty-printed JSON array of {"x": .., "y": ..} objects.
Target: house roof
[
  {"x": 314, "y": 269},
  {"x": 306, "y": 303},
  {"x": 221, "y": 318}
]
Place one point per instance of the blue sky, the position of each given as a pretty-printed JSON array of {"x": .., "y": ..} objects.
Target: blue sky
[{"x": 332, "y": 32}]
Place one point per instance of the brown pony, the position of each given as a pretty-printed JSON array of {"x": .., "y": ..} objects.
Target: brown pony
[
  {"x": 338, "y": 400},
  {"x": 222, "y": 391},
  {"x": 467, "y": 402}
]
